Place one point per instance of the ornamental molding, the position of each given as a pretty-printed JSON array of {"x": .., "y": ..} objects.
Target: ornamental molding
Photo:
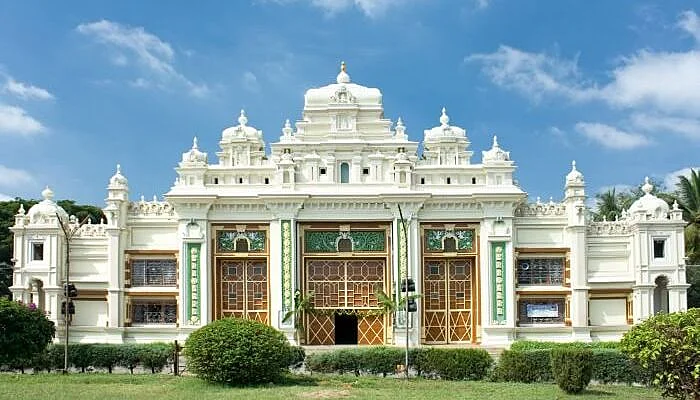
[
  {"x": 340, "y": 205},
  {"x": 605, "y": 228},
  {"x": 284, "y": 209},
  {"x": 89, "y": 231},
  {"x": 151, "y": 209},
  {"x": 452, "y": 205},
  {"x": 539, "y": 209},
  {"x": 342, "y": 96}
]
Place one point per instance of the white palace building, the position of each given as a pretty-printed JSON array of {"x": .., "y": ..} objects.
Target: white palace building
[{"x": 319, "y": 215}]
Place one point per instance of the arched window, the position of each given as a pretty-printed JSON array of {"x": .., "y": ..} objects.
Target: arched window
[
  {"x": 344, "y": 245},
  {"x": 344, "y": 172},
  {"x": 661, "y": 295},
  {"x": 241, "y": 245}
]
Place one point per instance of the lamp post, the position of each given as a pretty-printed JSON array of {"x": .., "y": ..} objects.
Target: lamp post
[
  {"x": 68, "y": 292},
  {"x": 405, "y": 235}
]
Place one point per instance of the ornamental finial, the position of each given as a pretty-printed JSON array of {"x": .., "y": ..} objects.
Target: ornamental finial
[
  {"x": 242, "y": 119},
  {"x": 343, "y": 67},
  {"x": 119, "y": 169},
  {"x": 194, "y": 143},
  {"x": 444, "y": 119},
  {"x": 495, "y": 141},
  {"x": 647, "y": 187}
]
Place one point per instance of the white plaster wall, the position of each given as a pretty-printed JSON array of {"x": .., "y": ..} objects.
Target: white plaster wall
[
  {"x": 161, "y": 238},
  {"x": 603, "y": 312},
  {"x": 90, "y": 313},
  {"x": 539, "y": 236}
]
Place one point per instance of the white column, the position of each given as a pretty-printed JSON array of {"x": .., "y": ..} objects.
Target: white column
[
  {"x": 275, "y": 274},
  {"x": 677, "y": 297}
]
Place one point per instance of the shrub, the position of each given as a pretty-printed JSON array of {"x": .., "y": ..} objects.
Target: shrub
[
  {"x": 155, "y": 355},
  {"x": 612, "y": 366},
  {"x": 321, "y": 362},
  {"x": 666, "y": 347},
  {"x": 24, "y": 332},
  {"x": 297, "y": 356},
  {"x": 522, "y": 345},
  {"x": 105, "y": 356},
  {"x": 524, "y": 366},
  {"x": 129, "y": 356},
  {"x": 458, "y": 364},
  {"x": 237, "y": 351},
  {"x": 381, "y": 360},
  {"x": 80, "y": 355},
  {"x": 572, "y": 368}
]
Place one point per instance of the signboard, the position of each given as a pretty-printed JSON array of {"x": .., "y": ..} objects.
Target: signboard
[
  {"x": 543, "y": 310},
  {"x": 498, "y": 283}
]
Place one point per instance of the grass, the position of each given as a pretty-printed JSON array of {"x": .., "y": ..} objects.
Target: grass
[{"x": 155, "y": 387}]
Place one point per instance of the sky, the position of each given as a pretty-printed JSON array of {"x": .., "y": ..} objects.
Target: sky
[{"x": 84, "y": 85}]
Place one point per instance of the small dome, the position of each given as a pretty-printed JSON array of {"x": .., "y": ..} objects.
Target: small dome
[
  {"x": 343, "y": 76},
  {"x": 194, "y": 155},
  {"x": 118, "y": 179},
  {"x": 46, "y": 210},
  {"x": 496, "y": 154},
  {"x": 444, "y": 131},
  {"x": 242, "y": 130},
  {"x": 650, "y": 205},
  {"x": 575, "y": 176}
]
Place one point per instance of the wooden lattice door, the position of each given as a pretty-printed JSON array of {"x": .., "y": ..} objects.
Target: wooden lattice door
[
  {"x": 341, "y": 285},
  {"x": 447, "y": 301},
  {"x": 243, "y": 289}
]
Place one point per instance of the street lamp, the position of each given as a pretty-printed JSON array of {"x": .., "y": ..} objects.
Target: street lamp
[{"x": 69, "y": 290}]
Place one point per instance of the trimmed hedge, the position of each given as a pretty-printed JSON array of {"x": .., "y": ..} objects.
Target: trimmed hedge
[
  {"x": 522, "y": 345},
  {"x": 450, "y": 364},
  {"x": 524, "y": 366},
  {"x": 154, "y": 356},
  {"x": 572, "y": 368}
]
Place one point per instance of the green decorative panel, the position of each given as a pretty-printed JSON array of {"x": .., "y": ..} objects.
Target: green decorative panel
[
  {"x": 193, "y": 294},
  {"x": 498, "y": 283},
  {"x": 327, "y": 241},
  {"x": 403, "y": 253},
  {"x": 226, "y": 241},
  {"x": 434, "y": 239},
  {"x": 287, "y": 257}
]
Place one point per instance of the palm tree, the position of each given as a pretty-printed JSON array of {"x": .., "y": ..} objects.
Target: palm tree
[
  {"x": 302, "y": 305},
  {"x": 608, "y": 205},
  {"x": 688, "y": 196}
]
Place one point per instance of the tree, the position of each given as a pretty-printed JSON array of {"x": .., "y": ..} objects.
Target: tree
[
  {"x": 302, "y": 304},
  {"x": 688, "y": 195},
  {"x": 24, "y": 332},
  {"x": 666, "y": 345}
]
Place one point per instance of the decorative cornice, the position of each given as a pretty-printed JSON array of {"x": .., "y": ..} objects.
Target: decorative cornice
[
  {"x": 539, "y": 209},
  {"x": 608, "y": 228},
  {"x": 151, "y": 209}
]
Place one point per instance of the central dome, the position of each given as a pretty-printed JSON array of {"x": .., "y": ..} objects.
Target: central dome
[{"x": 343, "y": 92}]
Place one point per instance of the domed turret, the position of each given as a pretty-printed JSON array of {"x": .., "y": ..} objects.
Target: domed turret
[
  {"x": 496, "y": 154},
  {"x": 575, "y": 176},
  {"x": 118, "y": 180},
  {"x": 241, "y": 131},
  {"x": 194, "y": 156},
  {"x": 46, "y": 210},
  {"x": 649, "y": 206}
]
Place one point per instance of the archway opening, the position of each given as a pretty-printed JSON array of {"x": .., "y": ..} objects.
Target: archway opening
[{"x": 661, "y": 295}]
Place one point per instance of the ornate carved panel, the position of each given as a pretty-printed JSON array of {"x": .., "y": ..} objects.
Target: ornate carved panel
[
  {"x": 228, "y": 241},
  {"x": 328, "y": 241},
  {"x": 435, "y": 240}
]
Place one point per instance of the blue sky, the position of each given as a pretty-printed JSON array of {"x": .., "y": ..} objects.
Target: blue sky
[{"x": 614, "y": 85}]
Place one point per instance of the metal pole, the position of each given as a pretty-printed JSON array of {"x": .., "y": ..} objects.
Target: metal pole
[{"x": 405, "y": 235}]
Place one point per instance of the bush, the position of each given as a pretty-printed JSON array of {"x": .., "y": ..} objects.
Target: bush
[
  {"x": 24, "y": 332},
  {"x": 155, "y": 355},
  {"x": 80, "y": 356},
  {"x": 458, "y": 364},
  {"x": 381, "y": 360},
  {"x": 321, "y": 362},
  {"x": 524, "y": 366},
  {"x": 129, "y": 356},
  {"x": 523, "y": 345},
  {"x": 572, "y": 368},
  {"x": 666, "y": 347},
  {"x": 105, "y": 356},
  {"x": 237, "y": 351},
  {"x": 297, "y": 356},
  {"x": 612, "y": 366}
]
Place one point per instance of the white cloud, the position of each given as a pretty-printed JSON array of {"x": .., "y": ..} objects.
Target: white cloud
[
  {"x": 690, "y": 22},
  {"x": 688, "y": 127},
  {"x": 611, "y": 137},
  {"x": 671, "y": 178},
  {"x": 16, "y": 121},
  {"x": 533, "y": 74},
  {"x": 250, "y": 82},
  {"x": 6, "y": 197},
  {"x": 11, "y": 177},
  {"x": 371, "y": 8},
  {"x": 481, "y": 4},
  {"x": 133, "y": 44},
  {"x": 26, "y": 91}
]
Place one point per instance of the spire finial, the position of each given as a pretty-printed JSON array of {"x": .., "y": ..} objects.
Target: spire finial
[
  {"x": 444, "y": 119},
  {"x": 47, "y": 193},
  {"x": 495, "y": 141},
  {"x": 287, "y": 129},
  {"x": 242, "y": 119},
  {"x": 399, "y": 123},
  {"x": 647, "y": 187},
  {"x": 194, "y": 143},
  {"x": 119, "y": 169},
  {"x": 573, "y": 165},
  {"x": 343, "y": 76},
  {"x": 343, "y": 67}
]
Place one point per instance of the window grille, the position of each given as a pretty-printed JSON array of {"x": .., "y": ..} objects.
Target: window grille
[
  {"x": 540, "y": 271},
  {"x": 154, "y": 312},
  {"x": 153, "y": 273}
]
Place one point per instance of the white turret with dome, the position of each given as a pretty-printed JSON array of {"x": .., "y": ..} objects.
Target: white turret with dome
[
  {"x": 496, "y": 154},
  {"x": 649, "y": 206},
  {"x": 446, "y": 144},
  {"x": 46, "y": 211}
]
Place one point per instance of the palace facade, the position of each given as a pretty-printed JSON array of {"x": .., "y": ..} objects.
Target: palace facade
[{"x": 319, "y": 216}]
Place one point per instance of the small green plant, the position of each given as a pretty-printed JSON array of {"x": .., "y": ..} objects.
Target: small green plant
[
  {"x": 572, "y": 368},
  {"x": 24, "y": 332},
  {"x": 237, "y": 351},
  {"x": 527, "y": 366}
]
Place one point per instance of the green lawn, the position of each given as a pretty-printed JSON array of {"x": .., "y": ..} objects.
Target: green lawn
[{"x": 154, "y": 387}]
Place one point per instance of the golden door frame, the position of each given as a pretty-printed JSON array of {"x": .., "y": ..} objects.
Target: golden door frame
[
  {"x": 217, "y": 257},
  {"x": 318, "y": 323},
  {"x": 473, "y": 255}
]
